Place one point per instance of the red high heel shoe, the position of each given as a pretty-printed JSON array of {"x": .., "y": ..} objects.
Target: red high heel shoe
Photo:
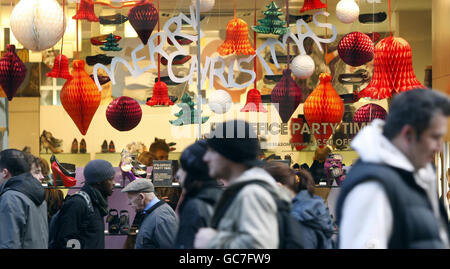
[{"x": 67, "y": 177}]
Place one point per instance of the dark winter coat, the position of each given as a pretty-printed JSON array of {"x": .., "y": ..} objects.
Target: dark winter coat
[
  {"x": 76, "y": 221},
  {"x": 195, "y": 213},
  {"x": 315, "y": 220},
  {"x": 23, "y": 214},
  {"x": 317, "y": 171}
]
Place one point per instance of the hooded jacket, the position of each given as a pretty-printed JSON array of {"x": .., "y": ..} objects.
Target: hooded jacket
[
  {"x": 250, "y": 222},
  {"x": 315, "y": 220},
  {"x": 367, "y": 215},
  {"x": 195, "y": 213},
  {"x": 23, "y": 214}
]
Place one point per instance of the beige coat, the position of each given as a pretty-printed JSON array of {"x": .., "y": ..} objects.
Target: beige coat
[{"x": 251, "y": 220}]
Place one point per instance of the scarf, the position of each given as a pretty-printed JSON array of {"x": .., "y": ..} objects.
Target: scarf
[{"x": 97, "y": 198}]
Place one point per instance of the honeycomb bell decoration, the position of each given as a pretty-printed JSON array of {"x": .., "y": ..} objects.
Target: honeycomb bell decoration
[
  {"x": 287, "y": 95},
  {"x": 60, "y": 68},
  {"x": 80, "y": 97},
  {"x": 124, "y": 113},
  {"x": 323, "y": 105},
  {"x": 12, "y": 72},
  {"x": 393, "y": 71},
  {"x": 367, "y": 113},
  {"x": 38, "y": 24},
  {"x": 143, "y": 17},
  {"x": 254, "y": 102},
  {"x": 86, "y": 11},
  {"x": 312, "y": 4},
  {"x": 356, "y": 49},
  {"x": 236, "y": 40},
  {"x": 160, "y": 95}
]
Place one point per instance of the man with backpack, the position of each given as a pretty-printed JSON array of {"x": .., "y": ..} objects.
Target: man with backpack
[
  {"x": 79, "y": 223},
  {"x": 247, "y": 215}
]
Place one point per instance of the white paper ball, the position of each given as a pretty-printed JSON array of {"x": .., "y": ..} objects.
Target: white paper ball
[
  {"x": 205, "y": 5},
  {"x": 38, "y": 24},
  {"x": 347, "y": 11},
  {"x": 220, "y": 101},
  {"x": 302, "y": 66}
]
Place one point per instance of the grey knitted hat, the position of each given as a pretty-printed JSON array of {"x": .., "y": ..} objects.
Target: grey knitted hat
[{"x": 97, "y": 171}]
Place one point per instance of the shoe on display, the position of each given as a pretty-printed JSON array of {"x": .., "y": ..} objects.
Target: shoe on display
[
  {"x": 178, "y": 60},
  {"x": 113, "y": 19},
  {"x": 372, "y": 17},
  {"x": 180, "y": 40},
  {"x": 101, "y": 79},
  {"x": 105, "y": 146},
  {"x": 82, "y": 146},
  {"x": 61, "y": 173},
  {"x": 99, "y": 59},
  {"x": 102, "y": 39},
  {"x": 124, "y": 222},
  {"x": 111, "y": 147},
  {"x": 126, "y": 166},
  {"x": 74, "y": 148},
  {"x": 113, "y": 221}
]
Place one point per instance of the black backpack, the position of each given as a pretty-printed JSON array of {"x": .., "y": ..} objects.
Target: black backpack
[
  {"x": 54, "y": 226},
  {"x": 288, "y": 227}
]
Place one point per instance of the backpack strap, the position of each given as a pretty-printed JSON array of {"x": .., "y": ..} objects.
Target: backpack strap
[{"x": 87, "y": 198}]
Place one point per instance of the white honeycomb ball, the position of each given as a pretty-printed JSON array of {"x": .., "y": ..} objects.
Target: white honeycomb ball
[
  {"x": 205, "y": 5},
  {"x": 220, "y": 101},
  {"x": 302, "y": 66},
  {"x": 38, "y": 24},
  {"x": 347, "y": 11}
]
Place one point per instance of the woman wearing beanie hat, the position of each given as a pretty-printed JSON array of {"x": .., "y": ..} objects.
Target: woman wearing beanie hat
[
  {"x": 201, "y": 192},
  {"x": 80, "y": 223}
]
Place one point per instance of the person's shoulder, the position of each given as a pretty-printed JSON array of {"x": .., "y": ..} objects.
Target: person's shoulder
[{"x": 13, "y": 196}]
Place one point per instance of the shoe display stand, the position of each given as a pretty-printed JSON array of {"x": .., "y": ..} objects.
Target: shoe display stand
[{"x": 79, "y": 159}]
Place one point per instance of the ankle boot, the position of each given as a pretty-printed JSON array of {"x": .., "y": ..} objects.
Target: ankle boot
[
  {"x": 82, "y": 146},
  {"x": 111, "y": 147},
  {"x": 74, "y": 148},
  {"x": 105, "y": 146}
]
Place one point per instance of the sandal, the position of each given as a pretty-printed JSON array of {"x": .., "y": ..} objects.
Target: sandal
[
  {"x": 113, "y": 221},
  {"x": 124, "y": 222}
]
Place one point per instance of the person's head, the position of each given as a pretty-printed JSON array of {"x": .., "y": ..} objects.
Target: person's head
[
  {"x": 140, "y": 192},
  {"x": 13, "y": 162},
  {"x": 36, "y": 168},
  {"x": 306, "y": 181},
  {"x": 146, "y": 158},
  {"x": 160, "y": 149},
  {"x": 282, "y": 174},
  {"x": 321, "y": 154},
  {"x": 194, "y": 172},
  {"x": 417, "y": 123},
  {"x": 100, "y": 175},
  {"x": 232, "y": 148}
]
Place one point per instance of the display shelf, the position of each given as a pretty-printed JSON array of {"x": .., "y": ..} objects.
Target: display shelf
[
  {"x": 113, "y": 158},
  {"x": 78, "y": 159},
  {"x": 116, "y": 186}
]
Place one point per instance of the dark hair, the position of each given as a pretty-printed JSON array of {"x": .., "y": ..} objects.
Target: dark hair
[
  {"x": 146, "y": 158},
  {"x": 415, "y": 108},
  {"x": 306, "y": 181},
  {"x": 305, "y": 166},
  {"x": 55, "y": 199},
  {"x": 16, "y": 161},
  {"x": 41, "y": 163},
  {"x": 282, "y": 174},
  {"x": 296, "y": 166},
  {"x": 159, "y": 144},
  {"x": 197, "y": 172}
]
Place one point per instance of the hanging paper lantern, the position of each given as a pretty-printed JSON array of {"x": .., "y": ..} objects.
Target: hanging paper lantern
[
  {"x": 80, "y": 97},
  {"x": 323, "y": 105},
  {"x": 254, "y": 102},
  {"x": 271, "y": 24},
  {"x": 205, "y": 5},
  {"x": 303, "y": 66},
  {"x": 86, "y": 11},
  {"x": 236, "y": 41},
  {"x": 38, "y": 24},
  {"x": 160, "y": 95},
  {"x": 60, "y": 68},
  {"x": 347, "y": 11},
  {"x": 286, "y": 95},
  {"x": 393, "y": 71},
  {"x": 220, "y": 101},
  {"x": 143, "y": 17},
  {"x": 369, "y": 112},
  {"x": 312, "y": 4},
  {"x": 124, "y": 113},
  {"x": 356, "y": 49},
  {"x": 12, "y": 72},
  {"x": 297, "y": 138}
]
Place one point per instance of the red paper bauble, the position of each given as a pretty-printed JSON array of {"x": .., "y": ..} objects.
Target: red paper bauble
[
  {"x": 323, "y": 105},
  {"x": 392, "y": 71},
  {"x": 143, "y": 17},
  {"x": 356, "y": 49},
  {"x": 236, "y": 40},
  {"x": 124, "y": 113},
  {"x": 86, "y": 11},
  {"x": 286, "y": 95},
  {"x": 60, "y": 68},
  {"x": 312, "y": 4},
  {"x": 254, "y": 103},
  {"x": 297, "y": 138},
  {"x": 12, "y": 72},
  {"x": 80, "y": 97},
  {"x": 160, "y": 95},
  {"x": 369, "y": 112}
]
